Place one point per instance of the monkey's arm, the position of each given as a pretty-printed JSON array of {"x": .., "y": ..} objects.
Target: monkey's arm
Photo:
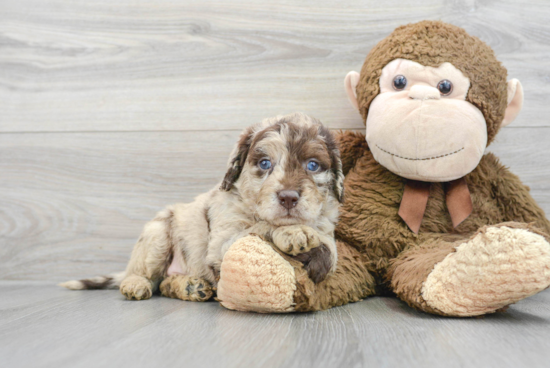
[
  {"x": 352, "y": 145},
  {"x": 514, "y": 199}
]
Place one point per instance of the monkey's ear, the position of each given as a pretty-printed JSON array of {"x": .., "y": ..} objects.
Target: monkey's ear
[
  {"x": 237, "y": 160},
  {"x": 515, "y": 101},
  {"x": 351, "y": 81}
]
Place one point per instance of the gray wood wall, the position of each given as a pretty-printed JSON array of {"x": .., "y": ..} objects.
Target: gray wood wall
[{"x": 110, "y": 110}]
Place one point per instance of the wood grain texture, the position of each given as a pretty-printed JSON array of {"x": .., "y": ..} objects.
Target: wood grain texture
[
  {"x": 73, "y": 204},
  {"x": 43, "y": 325},
  {"x": 216, "y": 65},
  {"x": 111, "y": 110},
  {"x": 72, "y": 201}
]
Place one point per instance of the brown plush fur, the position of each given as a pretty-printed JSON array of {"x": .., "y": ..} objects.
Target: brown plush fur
[
  {"x": 378, "y": 253},
  {"x": 431, "y": 44},
  {"x": 350, "y": 282},
  {"x": 411, "y": 268},
  {"x": 369, "y": 219}
]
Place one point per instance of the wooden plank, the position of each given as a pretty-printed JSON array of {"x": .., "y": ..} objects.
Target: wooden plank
[
  {"x": 72, "y": 204},
  {"x": 189, "y": 65},
  {"x": 43, "y": 325},
  {"x": 92, "y": 193}
]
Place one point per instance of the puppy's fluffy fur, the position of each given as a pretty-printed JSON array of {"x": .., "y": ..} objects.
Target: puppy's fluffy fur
[{"x": 271, "y": 189}]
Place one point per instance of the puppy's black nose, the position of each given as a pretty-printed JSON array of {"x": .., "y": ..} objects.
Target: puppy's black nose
[{"x": 288, "y": 198}]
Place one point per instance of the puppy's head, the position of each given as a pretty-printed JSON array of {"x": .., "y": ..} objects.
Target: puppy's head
[{"x": 287, "y": 170}]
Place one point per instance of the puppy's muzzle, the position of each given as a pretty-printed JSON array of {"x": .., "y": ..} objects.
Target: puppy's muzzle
[{"x": 288, "y": 198}]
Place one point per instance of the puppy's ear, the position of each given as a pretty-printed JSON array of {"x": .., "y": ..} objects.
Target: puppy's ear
[
  {"x": 338, "y": 181},
  {"x": 336, "y": 163},
  {"x": 237, "y": 160}
]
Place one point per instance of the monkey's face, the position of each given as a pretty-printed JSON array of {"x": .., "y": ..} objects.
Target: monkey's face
[{"x": 421, "y": 127}]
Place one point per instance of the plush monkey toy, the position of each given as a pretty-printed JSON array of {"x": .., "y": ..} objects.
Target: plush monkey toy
[{"x": 428, "y": 216}]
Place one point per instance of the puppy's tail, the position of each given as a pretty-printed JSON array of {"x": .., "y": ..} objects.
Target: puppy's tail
[{"x": 111, "y": 281}]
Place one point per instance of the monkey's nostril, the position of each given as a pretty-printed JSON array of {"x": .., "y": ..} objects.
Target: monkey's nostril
[{"x": 288, "y": 198}]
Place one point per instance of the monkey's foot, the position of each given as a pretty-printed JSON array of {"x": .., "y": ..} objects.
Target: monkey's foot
[
  {"x": 136, "y": 287},
  {"x": 186, "y": 287},
  {"x": 498, "y": 266},
  {"x": 255, "y": 278}
]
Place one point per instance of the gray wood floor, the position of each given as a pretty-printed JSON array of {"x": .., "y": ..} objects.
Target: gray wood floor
[
  {"x": 45, "y": 326},
  {"x": 110, "y": 110}
]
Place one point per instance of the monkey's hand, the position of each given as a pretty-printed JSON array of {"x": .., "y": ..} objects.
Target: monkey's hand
[{"x": 295, "y": 239}]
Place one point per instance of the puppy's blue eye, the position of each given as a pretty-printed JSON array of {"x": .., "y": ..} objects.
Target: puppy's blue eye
[
  {"x": 312, "y": 166},
  {"x": 265, "y": 164}
]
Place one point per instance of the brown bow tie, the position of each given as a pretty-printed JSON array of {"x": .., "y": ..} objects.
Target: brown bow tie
[{"x": 415, "y": 198}]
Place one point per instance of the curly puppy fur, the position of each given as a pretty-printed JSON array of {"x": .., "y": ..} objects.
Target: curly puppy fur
[{"x": 185, "y": 243}]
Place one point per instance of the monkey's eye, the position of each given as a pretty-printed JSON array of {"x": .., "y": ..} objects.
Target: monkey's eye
[
  {"x": 313, "y": 165},
  {"x": 399, "y": 82},
  {"x": 265, "y": 164},
  {"x": 445, "y": 87}
]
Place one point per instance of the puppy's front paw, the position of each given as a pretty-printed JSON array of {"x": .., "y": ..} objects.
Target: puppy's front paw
[
  {"x": 317, "y": 262},
  {"x": 296, "y": 239},
  {"x": 136, "y": 288}
]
